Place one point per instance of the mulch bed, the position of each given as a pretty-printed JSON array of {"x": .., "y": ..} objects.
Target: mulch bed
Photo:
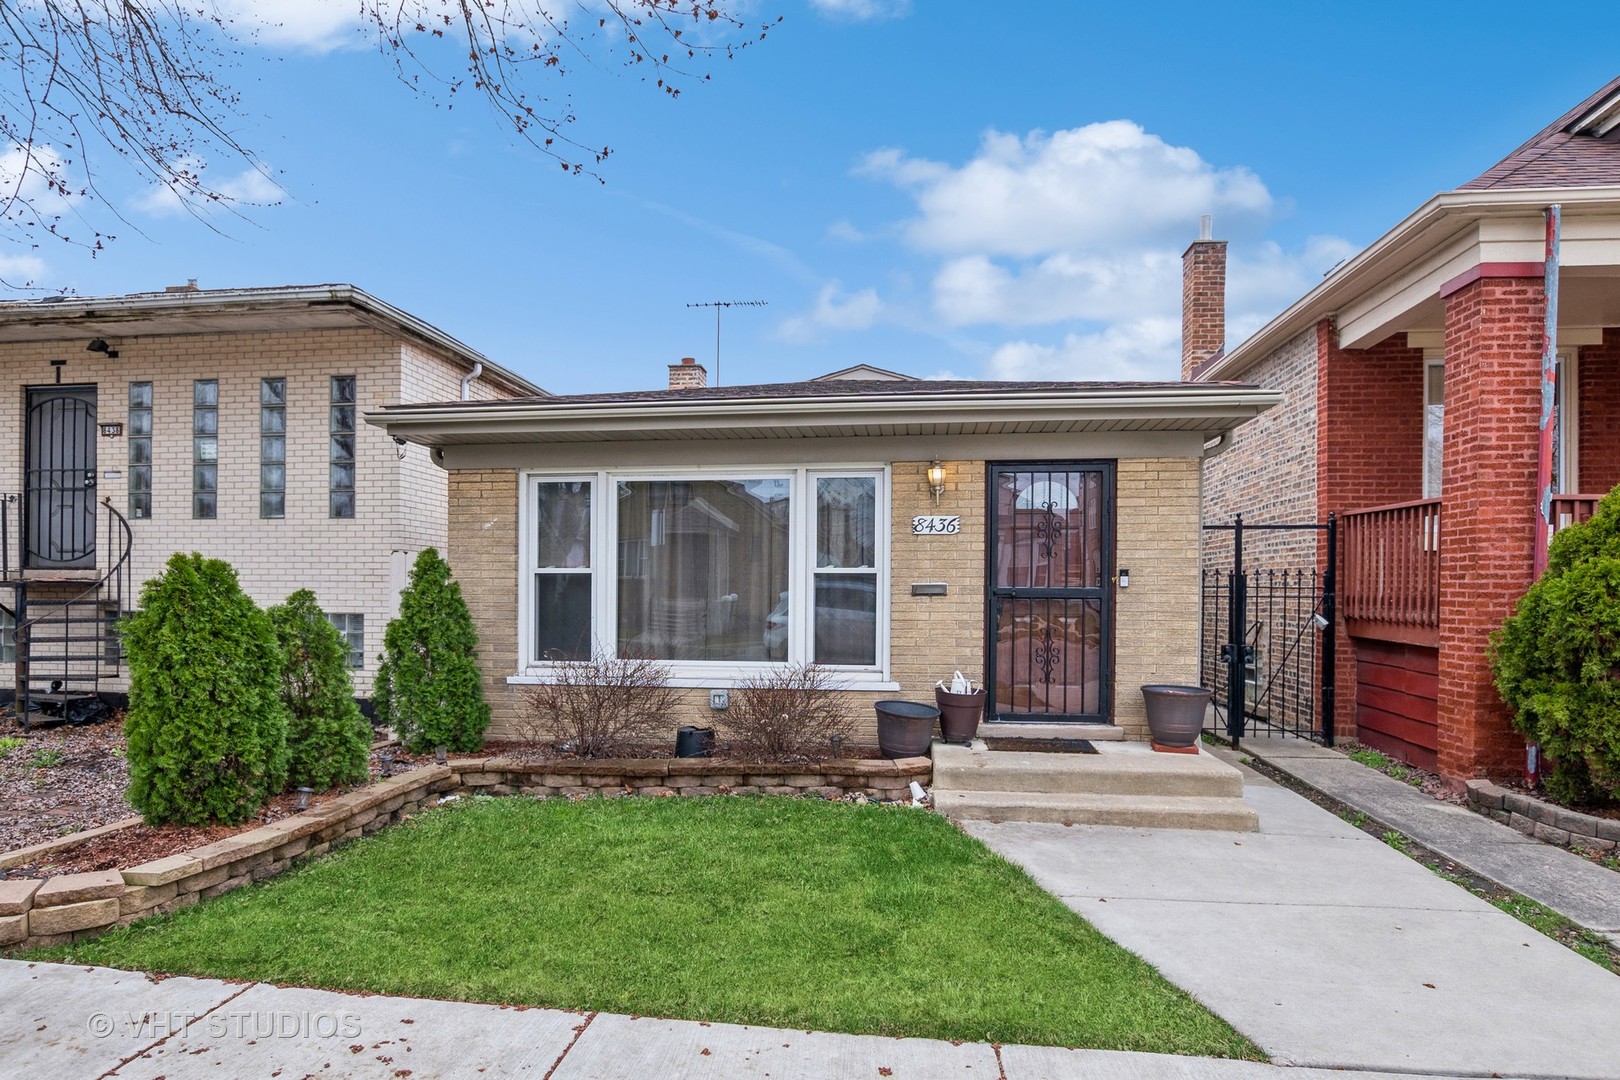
[
  {"x": 85, "y": 788},
  {"x": 61, "y": 780}
]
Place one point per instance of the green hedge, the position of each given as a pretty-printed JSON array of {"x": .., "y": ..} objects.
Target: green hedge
[
  {"x": 1557, "y": 659},
  {"x": 206, "y": 726},
  {"x": 428, "y": 687},
  {"x": 328, "y": 741}
]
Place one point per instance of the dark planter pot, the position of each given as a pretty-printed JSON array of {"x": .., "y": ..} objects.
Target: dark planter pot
[
  {"x": 905, "y": 728},
  {"x": 1175, "y": 714},
  {"x": 959, "y": 714},
  {"x": 694, "y": 741}
]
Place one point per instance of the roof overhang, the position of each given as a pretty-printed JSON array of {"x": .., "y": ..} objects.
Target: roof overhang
[
  {"x": 1396, "y": 282},
  {"x": 218, "y": 311},
  {"x": 1210, "y": 409}
]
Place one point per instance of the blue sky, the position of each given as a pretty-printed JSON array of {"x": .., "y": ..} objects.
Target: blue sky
[{"x": 939, "y": 188}]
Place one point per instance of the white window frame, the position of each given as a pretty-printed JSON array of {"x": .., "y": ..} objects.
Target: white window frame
[
  {"x": 1569, "y": 420},
  {"x": 604, "y": 548},
  {"x": 1431, "y": 486}
]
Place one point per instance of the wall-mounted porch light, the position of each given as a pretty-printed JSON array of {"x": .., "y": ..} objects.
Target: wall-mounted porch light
[
  {"x": 936, "y": 480},
  {"x": 99, "y": 345}
]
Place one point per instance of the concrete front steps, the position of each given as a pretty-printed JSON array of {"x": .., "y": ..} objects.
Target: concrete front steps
[{"x": 1124, "y": 783}]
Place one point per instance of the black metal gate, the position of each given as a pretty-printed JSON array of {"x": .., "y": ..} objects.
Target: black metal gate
[{"x": 1267, "y": 641}]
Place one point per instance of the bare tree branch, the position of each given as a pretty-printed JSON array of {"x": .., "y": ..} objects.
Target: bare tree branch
[{"x": 149, "y": 84}]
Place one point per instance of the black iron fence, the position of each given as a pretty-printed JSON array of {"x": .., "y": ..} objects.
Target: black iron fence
[{"x": 1267, "y": 642}]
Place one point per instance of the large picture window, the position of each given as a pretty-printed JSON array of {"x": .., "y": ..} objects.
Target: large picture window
[{"x": 717, "y": 573}]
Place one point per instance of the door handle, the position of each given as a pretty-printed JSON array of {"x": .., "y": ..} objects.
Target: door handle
[{"x": 89, "y": 478}]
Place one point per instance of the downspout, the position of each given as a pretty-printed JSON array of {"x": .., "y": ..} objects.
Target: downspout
[
  {"x": 466, "y": 383},
  {"x": 1549, "y": 424}
]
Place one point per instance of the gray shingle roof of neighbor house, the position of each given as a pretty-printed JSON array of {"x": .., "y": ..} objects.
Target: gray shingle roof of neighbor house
[
  {"x": 834, "y": 408},
  {"x": 1579, "y": 149},
  {"x": 189, "y": 310}
]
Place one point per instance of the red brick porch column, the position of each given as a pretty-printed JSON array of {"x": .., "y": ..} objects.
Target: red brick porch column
[{"x": 1493, "y": 400}]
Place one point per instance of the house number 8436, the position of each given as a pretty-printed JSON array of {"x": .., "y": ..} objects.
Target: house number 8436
[{"x": 936, "y": 525}]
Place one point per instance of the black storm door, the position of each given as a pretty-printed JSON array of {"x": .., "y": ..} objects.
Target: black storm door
[
  {"x": 59, "y": 478},
  {"x": 1050, "y": 605}
]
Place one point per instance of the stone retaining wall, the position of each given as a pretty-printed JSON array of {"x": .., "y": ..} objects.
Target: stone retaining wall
[
  {"x": 36, "y": 913},
  {"x": 1543, "y": 820}
]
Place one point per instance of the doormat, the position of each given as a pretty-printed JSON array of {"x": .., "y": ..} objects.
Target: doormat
[{"x": 1041, "y": 746}]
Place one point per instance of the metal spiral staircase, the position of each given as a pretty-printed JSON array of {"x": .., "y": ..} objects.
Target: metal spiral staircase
[{"x": 64, "y": 639}]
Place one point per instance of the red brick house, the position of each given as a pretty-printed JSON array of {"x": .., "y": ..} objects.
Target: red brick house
[{"x": 1413, "y": 382}]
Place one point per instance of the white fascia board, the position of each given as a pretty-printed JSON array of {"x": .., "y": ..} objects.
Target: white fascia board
[
  {"x": 74, "y": 312},
  {"x": 538, "y": 418},
  {"x": 1432, "y": 224}
]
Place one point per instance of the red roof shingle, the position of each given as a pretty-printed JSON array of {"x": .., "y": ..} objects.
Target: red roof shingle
[{"x": 1565, "y": 154}]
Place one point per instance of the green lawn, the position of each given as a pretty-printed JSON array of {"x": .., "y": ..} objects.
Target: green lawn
[{"x": 784, "y": 912}]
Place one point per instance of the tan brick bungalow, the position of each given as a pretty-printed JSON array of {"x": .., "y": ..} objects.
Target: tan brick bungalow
[{"x": 897, "y": 530}]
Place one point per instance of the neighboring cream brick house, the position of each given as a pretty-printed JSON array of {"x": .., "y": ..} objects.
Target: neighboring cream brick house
[
  {"x": 727, "y": 530},
  {"x": 225, "y": 422}
]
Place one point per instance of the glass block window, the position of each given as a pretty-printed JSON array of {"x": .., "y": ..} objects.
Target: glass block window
[
  {"x": 205, "y": 448},
  {"x": 342, "y": 438},
  {"x": 353, "y": 628},
  {"x": 273, "y": 448},
  {"x": 140, "y": 450}
]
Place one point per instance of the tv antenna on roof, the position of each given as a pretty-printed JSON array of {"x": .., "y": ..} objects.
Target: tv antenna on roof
[{"x": 717, "y": 305}]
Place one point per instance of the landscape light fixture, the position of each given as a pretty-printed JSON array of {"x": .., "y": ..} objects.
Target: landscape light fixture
[
  {"x": 99, "y": 345},
  {"x": 303, "y": 797},
  {"x": 936, "y": 480}
]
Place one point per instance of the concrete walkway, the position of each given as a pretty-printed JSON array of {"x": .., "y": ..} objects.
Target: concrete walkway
[
  {"x": 65, "y": 1023},
  {"x": 1328, "y": 948},
  {"x": 1572, "y": 886}
]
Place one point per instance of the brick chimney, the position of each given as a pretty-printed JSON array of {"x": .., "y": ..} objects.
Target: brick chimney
[
  {"x": 688, "y": 375},
  {"x": 1203, "y": 299}
]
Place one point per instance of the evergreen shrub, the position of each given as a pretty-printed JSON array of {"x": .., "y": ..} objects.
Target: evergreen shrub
[
  {"x": 1557, "y": 659},
  {"x": 206, "y": 727},
  {"x": 428, "y": 687},
  {"x": 328, "y": 741}
]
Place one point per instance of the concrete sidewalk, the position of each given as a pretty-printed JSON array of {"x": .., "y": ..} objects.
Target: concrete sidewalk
[
  {"x": 1328, "y": 948},
  {"x": 1572, "y": 886},
  {"x": 63, "y": 1023}
]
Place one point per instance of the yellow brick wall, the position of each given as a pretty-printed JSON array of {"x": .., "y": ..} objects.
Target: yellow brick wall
[
  {"x": 1156, "y": 619},
  {"x": 931, "y": 637}
]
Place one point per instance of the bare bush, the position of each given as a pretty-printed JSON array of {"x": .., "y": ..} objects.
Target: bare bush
[
  {"x": 607, "y": 706},
  {"x": 797, "y": 713}
]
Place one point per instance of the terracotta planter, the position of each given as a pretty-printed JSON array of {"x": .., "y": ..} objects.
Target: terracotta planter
[
  {"x": 905, "y": 728},
  {"x": 1175, "y": 715},
  {"x": 959, "y": 714}
]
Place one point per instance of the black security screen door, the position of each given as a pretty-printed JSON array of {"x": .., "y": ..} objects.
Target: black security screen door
[
  {"x": 1050, "y": 609},
  {"x": 59, "y": 481}
]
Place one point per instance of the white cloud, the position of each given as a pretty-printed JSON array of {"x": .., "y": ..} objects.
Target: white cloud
[
  {"x": 834, "y": 310},
  {"x": 319, "y": 25},
  {"x": 1126, "y": 352},
  {"x": 862, "y": 10},
  {"x": 1102, "y": 185},
  {"x": 1081, "y": 231},
  {"x": 26, "y": 174},
  {"x": 250, "y": 187},
  {"x": 21, "y": 270},
  {"x": 844, "y": 230}
]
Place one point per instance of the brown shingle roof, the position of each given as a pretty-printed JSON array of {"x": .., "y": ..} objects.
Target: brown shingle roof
[{"x": 1572, "y": 151}]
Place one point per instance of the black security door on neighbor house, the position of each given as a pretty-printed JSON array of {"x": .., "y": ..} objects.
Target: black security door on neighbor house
[
  {"x": 59, "y": 478},
  {"x": 1051, "y": 536}
]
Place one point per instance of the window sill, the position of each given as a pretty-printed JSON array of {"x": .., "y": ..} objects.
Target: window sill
[{"x": 870, "y": 682}]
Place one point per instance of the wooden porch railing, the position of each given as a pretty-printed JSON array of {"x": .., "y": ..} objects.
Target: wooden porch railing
[
  {"x": 1390, "y": 587},
  {"x": 1391, "y": 582},
  {"x": 1570, "y": 510}
]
